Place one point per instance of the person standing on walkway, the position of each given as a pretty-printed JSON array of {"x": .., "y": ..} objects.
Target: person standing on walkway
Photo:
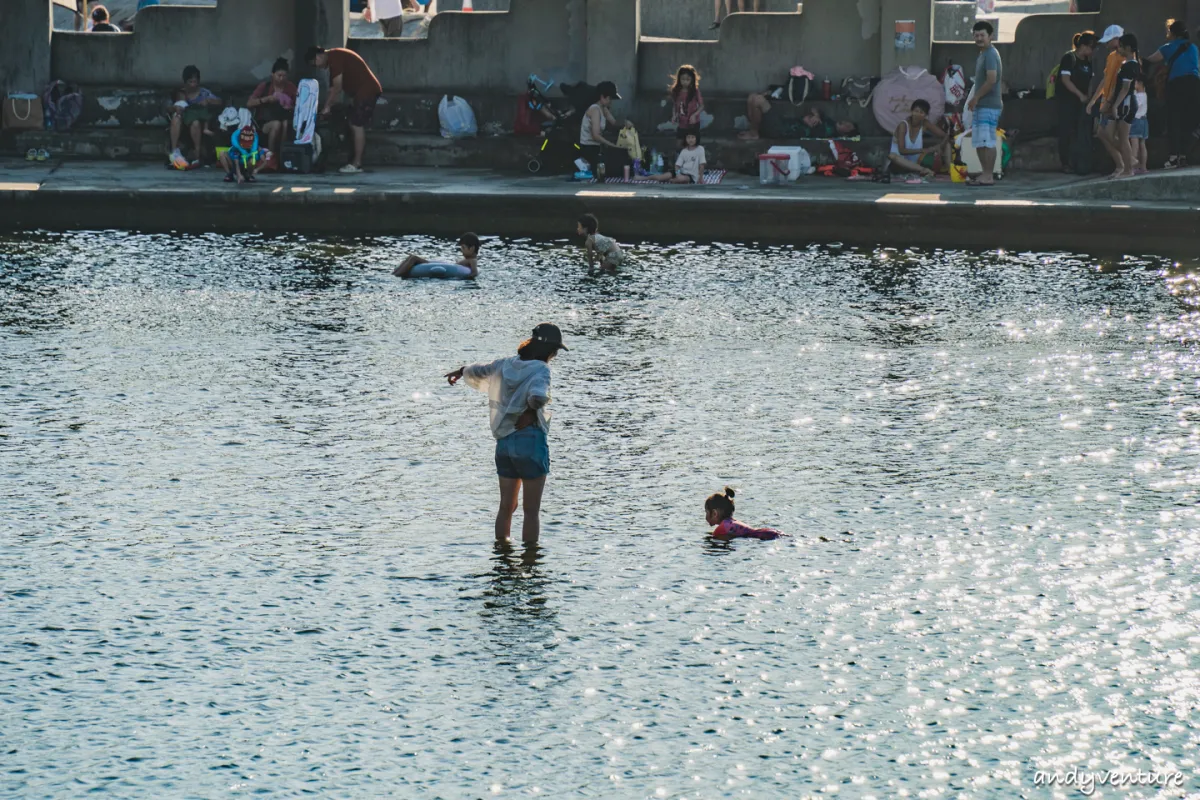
[
  {"x": 1074, "y": 81},
  {"x": 390, "y": 15},
  {"x": 987, "y": 103},
  {"x": 1125, "y": 105},
  {"x": 518, "y": 390},
  {"x": 350, "y": 74},
  {"x": 1182, "y": 60},
  {"x": 1106, "y": 92}
]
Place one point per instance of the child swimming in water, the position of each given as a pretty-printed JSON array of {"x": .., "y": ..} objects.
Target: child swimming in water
[
  {"x": 599, "y": 247},
  {"x": 718, "y": 510},
  {"x": 468, "y": 245}
]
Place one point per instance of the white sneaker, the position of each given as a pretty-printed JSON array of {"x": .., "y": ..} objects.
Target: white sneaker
[{"x": 350, "y": 169}]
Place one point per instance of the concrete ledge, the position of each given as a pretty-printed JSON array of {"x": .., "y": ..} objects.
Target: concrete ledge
[{"x": 430, "y": 201}]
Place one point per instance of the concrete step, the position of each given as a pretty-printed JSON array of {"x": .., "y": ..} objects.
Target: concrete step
[
  {"x": 505, "y": 153},
  {"x": 416, "y": 112}
]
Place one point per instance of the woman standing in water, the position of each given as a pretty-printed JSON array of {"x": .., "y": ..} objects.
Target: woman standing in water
[{"x": 518, "y": 389}]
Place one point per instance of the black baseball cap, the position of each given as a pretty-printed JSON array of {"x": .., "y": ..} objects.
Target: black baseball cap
[
  {"x": 548, "y": 332},
  {"x": 607, "y": 89}
]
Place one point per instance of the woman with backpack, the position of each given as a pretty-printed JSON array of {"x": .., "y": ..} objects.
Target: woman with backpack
[
  {"x": 1074, "y": 80},
  {"x": 1182, "y": 60}
]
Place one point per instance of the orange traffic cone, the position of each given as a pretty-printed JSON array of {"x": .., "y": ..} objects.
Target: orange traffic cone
[{"x": 468, "y": 5}]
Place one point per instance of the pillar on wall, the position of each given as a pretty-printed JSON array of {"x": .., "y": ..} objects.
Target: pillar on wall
[
  {"x": 920, "y": 13},
  {"x": 25, "y": 45},
  {"x": 613, "y": 33},
  {"x": 325, "y": 23}
]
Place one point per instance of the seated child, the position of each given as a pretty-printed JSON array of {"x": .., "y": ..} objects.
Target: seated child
[
  {"x": 244, "y": 158},
  {"x": 718, "y": 510},
  {"x": 910, "y": 151},
  {"x": 468, "y": 245},
  {"x": 191, "y": 109},
  {"x": 689, "y": 164},
  {"x": 599, "y": 247}
]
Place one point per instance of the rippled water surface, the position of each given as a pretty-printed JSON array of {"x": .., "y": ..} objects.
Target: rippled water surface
[{"x": 246, "y": 540}]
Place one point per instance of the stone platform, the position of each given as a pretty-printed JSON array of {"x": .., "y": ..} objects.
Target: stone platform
[{"x": 1034, "y": 212}]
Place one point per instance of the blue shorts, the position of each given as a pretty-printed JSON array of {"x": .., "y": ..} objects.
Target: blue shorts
[
  {"x": 983, "y": 131},
  {"x": 1139, "y": 129},
  {"x": 523, "y": 454}
]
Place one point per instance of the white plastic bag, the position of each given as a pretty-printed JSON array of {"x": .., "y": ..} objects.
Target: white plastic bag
[{"x": 456, "y": 118}]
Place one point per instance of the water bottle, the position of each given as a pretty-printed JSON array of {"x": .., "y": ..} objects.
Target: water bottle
[{"x": 658, "y": 164}]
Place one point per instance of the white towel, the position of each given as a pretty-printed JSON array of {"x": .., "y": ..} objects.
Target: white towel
[{"x": 304, "y": 120}]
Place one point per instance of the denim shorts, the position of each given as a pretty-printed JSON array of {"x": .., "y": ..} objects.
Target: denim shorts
[
  {"x": 1139, "y": 129},
  {"x": 523, "y": 454},
  {"x": 983, "y": 131}
]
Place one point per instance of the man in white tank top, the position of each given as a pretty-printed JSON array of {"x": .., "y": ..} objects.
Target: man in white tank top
[{"x": 918, "y": 143}]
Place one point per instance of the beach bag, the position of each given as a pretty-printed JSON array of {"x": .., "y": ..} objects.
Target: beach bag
[
  {"x": 62, "y": 104},
  {"x": 799, "y": 83},
  {"x": 895, "y": 94},
  {"x": 954, "y": 84},
  {"x": 844, "y": 158},
  {"x": 858, "y": 88},
  {"x": 456, "y": 118},
  {"x": 1052, "y": 79},
  {"x": 22, "y": 112},
  {"x": 628, "y": 140}
]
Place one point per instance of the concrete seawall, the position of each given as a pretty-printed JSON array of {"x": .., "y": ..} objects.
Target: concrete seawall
[{"x": 1016, "y": 215}]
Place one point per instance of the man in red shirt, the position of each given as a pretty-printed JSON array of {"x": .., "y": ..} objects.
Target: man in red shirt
[{"x": 350, "y": 74}]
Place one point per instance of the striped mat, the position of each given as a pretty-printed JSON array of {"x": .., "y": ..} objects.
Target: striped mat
[{"x": 711, "y": 178}]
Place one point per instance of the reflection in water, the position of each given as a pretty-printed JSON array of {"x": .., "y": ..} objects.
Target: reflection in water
[{"x": 239, "y": 498}]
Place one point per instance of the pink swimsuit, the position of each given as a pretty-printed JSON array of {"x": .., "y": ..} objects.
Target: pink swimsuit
[{"x": 732, "y": 529}]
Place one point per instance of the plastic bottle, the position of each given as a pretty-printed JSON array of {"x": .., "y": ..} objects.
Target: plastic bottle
[{"x": 658, "y": 164}]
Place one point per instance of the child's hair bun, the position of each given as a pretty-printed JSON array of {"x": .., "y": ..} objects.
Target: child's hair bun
[{"x": 729, "y": 492}]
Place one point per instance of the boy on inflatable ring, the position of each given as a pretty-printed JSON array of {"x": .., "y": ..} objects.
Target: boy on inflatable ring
[{"x": 466, "y": 267}]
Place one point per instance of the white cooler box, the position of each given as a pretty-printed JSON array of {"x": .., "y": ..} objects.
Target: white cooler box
[
  {"x": 773, "y": 169},
  {"x": 799, "y": 162},
  {"x": 971, "y": 158}
]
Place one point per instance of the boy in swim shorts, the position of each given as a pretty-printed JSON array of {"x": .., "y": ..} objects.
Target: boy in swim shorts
[{"x": 468, "y": 245}]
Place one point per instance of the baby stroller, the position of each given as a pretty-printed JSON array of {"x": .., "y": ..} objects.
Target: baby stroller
[{"x": 560, "y": 125}]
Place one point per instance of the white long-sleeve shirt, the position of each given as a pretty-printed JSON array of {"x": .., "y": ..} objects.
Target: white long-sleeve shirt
[{"x": 509, "y": 384}]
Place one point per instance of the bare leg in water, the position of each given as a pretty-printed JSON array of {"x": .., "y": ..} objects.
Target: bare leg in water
[
  {"x": 531, "y": 496},
  {"x": 510, "y": 488},
  {"x": 531, "y": 526}
]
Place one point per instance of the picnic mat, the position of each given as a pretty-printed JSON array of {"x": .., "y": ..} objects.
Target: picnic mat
[{"x": 711, "y": 178}]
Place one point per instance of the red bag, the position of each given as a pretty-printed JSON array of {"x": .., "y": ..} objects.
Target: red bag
[{"x": 526, "y": 123}]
